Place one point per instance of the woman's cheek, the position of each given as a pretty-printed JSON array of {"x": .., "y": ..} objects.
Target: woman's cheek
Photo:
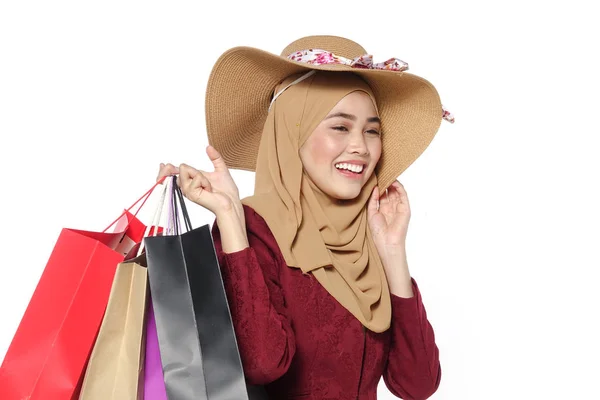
[
  {"x": 326, "y": 150},
  {"x": 375, "y": 148}
]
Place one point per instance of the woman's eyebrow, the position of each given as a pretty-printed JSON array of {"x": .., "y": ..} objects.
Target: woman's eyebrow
[
  {"x": 351, "y": 117},
  {"x": 343, "y": 115}
]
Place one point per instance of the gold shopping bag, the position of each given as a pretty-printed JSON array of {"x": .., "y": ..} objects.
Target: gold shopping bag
[{"x": 115, "y": 367}]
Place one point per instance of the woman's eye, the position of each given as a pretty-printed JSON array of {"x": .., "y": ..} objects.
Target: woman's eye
[
  {"x": 373, "y": 131},
  {"x": 340, "y": 128}
]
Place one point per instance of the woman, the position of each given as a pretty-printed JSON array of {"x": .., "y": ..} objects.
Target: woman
[{"x": 314, "y": 263}]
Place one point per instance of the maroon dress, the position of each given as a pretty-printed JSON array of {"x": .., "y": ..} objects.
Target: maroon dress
[{"x": 299, "y": 342}]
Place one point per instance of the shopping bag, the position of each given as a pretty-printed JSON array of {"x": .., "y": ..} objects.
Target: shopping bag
[
  {"x": 154, "y": 384},
  {"x": 47, "y": 356},
  {"x": 113, "y": 371},
  {"x": 196, "y": 338},
  {"x": 115, "y": 368}
]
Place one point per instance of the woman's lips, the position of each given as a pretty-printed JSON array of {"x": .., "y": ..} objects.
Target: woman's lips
[{"x": 350, "y": 174}]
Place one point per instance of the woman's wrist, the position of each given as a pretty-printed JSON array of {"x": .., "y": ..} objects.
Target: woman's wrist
[
  {"x": 239, "y": 208},
  {"x": 233, "y": 231}
]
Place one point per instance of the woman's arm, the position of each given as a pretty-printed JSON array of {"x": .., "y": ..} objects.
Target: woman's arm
[
  {"x": 413, "y": 369},
  {"x": 234, "y": 237},
  {"x": 251, "y": 279}
]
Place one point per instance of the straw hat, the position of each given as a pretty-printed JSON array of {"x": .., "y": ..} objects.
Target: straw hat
[{"x": 242, "y": 81}]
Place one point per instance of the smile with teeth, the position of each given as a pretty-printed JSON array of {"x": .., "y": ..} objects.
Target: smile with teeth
[{"x": 357, "y": 169}]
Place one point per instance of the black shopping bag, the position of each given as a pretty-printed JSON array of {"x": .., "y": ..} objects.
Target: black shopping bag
[{"x": 198, "y": 348}]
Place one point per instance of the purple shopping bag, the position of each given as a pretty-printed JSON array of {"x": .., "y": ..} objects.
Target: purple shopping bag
[{"x": 154, "y": 383}]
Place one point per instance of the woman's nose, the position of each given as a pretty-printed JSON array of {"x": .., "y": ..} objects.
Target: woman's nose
[{"x": 357, "y": 143}]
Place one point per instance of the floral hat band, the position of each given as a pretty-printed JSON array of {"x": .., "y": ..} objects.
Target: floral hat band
[{"x": 322, "y": 57}]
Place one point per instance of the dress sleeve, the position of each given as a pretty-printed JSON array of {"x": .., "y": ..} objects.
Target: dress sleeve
[
  {"x": 413, "y": 369},
  {"x": 264, "y": 334}
]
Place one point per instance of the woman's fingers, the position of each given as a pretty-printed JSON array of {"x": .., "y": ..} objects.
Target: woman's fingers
[
  {"x": 185, "y": 175},
  {"x": 199, "y": 182},
  {"x": 195, "y": 186},
  {"x": 394, "y": 192},
  {"x": 217, "y": 160},
  {"x": 400, "y": 197},
  {"x": 394, "y": 199},
  {"x": 166, "y": 170},
  {"x": 373, "y": 205},
  {"x": 190, "y": 178},
  {"x": 400, "y": 192}
]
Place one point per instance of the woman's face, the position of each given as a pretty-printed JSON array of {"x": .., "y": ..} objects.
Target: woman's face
[{"x": 343, "y": 150}]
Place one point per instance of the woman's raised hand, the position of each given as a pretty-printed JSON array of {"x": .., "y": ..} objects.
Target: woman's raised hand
[
  {"x": 215, "y": 191},
  {"x": 388, "y": 216}
]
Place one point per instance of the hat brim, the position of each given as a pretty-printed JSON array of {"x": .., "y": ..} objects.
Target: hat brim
[{"x": 240, "y": 88}]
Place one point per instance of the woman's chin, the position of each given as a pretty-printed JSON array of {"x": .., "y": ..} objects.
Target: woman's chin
[
  {"x": 347, "y": 194},
  {"x": 341, "y": 189}
]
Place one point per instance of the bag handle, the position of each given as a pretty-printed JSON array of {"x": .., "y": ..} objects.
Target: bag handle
[
  {"x": 170, "y": 225},
  {"x": 144, "y": 197},
  {"x": 152, "y": 228},
  {"x": 178, "y": 198}
]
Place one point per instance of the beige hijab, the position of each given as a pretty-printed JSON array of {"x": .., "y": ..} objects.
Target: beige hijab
[{"x": 316, "y": 233}]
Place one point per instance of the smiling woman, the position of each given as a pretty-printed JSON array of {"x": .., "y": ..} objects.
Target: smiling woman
[
  {"x": 314, "y": 263},
  {"x": 341, "y": 153}
]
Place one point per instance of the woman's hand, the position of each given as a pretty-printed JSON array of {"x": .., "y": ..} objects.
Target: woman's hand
[
  {"x": 389, "y": 221},
  {"x": 215, "y": 191},
  {"x": 389, "y": 225},
  {"x": 166, "y": 170}
]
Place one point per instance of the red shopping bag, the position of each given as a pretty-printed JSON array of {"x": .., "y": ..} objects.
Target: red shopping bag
[{"x": 48, "y": 354}]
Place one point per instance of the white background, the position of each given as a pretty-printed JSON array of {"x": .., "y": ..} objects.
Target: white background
[{"x": 505, "y": 230}]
